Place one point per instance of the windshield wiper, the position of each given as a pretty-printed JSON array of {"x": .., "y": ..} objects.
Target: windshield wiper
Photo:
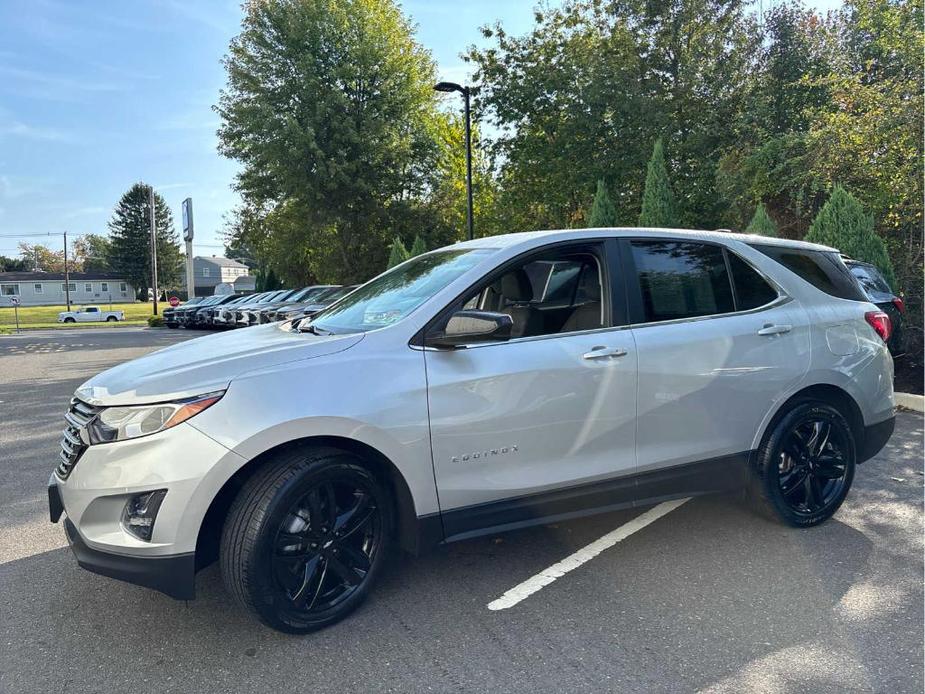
[{"x": 314, "y": 330}]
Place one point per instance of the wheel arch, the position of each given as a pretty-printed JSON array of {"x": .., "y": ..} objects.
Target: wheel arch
[
  {"x": 413, "y": 534},
  {"x": 827, "y": 392}
]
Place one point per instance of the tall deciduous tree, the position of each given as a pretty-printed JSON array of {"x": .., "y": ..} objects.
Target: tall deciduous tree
[
  {"x": 658, "y": 203},
  {"x": 761, "y": 223},
  {"x": 603, "y": 211},
  {"x": 842, "y": 223},
  {"x": 93, "y": 252},
  {"x": 329, "y": 108},
  {"x": 131, "y": 240},
  {"x": 42, "y": 258}
]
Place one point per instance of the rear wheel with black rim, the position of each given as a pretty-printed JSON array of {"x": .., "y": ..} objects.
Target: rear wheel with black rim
[
  {"x": 305, "y": 539},
  {"x": 805, "y": 466}
]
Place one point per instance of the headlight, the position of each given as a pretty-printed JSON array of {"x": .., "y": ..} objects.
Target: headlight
[{"x": 121, "y": 423}]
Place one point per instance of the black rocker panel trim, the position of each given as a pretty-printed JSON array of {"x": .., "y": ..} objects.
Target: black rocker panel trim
[{"x": 725, "y": 473}]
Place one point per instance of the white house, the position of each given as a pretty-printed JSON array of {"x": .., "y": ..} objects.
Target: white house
[
  {"x": 48, "y": 288},
  {"x": 210, "y": 271}
]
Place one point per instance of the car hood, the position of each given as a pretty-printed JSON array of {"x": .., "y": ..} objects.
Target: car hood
[{"x": 206, "y": 364}]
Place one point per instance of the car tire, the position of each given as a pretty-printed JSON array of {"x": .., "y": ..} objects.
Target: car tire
[
  {"x": 804, "y": 468},
  {"x": 69, "y": 320},
  {"x": 111, "y": 319},
  {"x": 291, "y": 553}
]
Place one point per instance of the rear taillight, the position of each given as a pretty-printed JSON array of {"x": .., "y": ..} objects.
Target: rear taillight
[
  {"x": 880, "y": 322},
  {"x": 899, "y": 304}
]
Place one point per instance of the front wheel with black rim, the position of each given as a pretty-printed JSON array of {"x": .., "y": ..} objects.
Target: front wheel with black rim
[
  {"x": 305, "y": 539},
  {"x": 805, "y": 465}
]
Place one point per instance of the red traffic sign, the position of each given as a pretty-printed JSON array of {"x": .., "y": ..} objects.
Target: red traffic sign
[{"x": 173, "y": 301}]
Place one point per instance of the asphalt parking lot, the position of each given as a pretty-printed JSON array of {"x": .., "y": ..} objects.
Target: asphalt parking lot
[{"x": 708, "y": 597}]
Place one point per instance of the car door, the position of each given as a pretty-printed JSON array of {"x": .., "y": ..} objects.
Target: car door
[
  {"x": 718, "y": 345},
  {"x": 88, "y": 315},
  {"x": 541, "y": 425}
]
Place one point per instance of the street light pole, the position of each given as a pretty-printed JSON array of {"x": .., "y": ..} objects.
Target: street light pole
[{"x": 447, "y": 87}]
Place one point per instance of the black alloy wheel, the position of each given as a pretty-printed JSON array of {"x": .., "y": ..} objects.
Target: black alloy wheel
[
  {"x": 805, "y": 466},
  {"x": 325, "y": 544},
  {"x": 306, "y": 538}
]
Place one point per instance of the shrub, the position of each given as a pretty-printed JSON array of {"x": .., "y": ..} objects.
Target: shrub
[
  {"x": 603, "y": 211},
  {"x": 842, "y": 223},
  {"x": 398, "y": 255},
  {"x": 761, "y": 223},
  {"x": 155, "y": 322}
]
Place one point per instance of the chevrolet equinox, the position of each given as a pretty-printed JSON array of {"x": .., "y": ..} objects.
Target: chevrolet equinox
[{"x": 494, "y": 384}]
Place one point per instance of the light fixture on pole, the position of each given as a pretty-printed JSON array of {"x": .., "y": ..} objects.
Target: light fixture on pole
[{"x": 447, "y": 87}]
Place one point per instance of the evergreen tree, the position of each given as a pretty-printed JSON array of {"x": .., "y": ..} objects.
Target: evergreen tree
[
  {"x": 398, "y": 254},
  {"x": 603, "y": 211},
  {"x": 131, "y": 241},
  {"x": 842, "y": 223},
  {"x": 761, "y": 223},
  {"x": 658, "y": 203},
  {"x": 417, "y": 247}
]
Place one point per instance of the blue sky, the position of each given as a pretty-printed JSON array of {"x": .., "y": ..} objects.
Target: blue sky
[{"x": 98, "y": 94}]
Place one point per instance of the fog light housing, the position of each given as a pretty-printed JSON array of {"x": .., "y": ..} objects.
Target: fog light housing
[{"x": 140, "y": 512}]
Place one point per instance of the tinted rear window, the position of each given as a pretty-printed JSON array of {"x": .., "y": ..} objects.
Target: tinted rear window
[
  {"x": 681, "y": 280},
  {"x": 752, "y": 291},
  {"x": 822, "y": 269}
]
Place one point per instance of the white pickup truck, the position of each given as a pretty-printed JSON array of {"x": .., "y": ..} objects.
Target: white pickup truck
[{"x": 90, "y": 314}]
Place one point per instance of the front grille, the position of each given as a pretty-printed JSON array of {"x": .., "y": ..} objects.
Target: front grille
[{"x": 77, "y": 417}]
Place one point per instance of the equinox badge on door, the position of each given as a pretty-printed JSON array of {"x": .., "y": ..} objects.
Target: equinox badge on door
[{"x": 491, "y": 452}]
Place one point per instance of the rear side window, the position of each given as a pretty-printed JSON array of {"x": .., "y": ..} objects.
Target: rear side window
[
  {"x": 822, "y": 269},
  {"x": 681, "y": 280},
  {"x": 752, "y": 291}
]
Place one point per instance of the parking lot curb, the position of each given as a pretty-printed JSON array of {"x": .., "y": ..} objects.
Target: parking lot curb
[{"x": 911, "y": 402}]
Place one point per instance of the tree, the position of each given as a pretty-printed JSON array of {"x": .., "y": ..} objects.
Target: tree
[
  {"x": 92, "y": 252},
  {"x": 658, "y": 203},
  {"x": 761, "y": 223},
  {"x": 131, "y": 241},
  {"x": 842, "y": 223},
  {"x": 14, "y": 264},
  {"x": 329, "y": 109},
  {"x": 398, "y": 254},
  {"x": 42, "y": 258},
  {"x": 603, "y": 212},
  {"x": 417, "y": 247}
]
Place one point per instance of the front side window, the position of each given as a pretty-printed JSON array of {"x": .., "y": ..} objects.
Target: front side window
[
  {"x": 38, "y": 288},
  {"x": 122, "y": 287},
  {"x": 391, "y": 297},
  {"x": 104, "y": 286},
  {"x": 679, "y": 279},
  {"x": 205, "y": 272},
  {"x": 9, "y": 289},
  {"x": 88, "y": 287},
  {"x": 70, "y": 287},
  {"x": 554, "y": 292}
]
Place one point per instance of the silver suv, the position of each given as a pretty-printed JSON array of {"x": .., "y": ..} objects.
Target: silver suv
[{"x": 495, "y": 384}]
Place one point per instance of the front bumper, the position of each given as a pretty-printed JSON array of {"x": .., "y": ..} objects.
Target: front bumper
[
  {"x": 173, "y": 575},
  {"x": 192, "y": 468}
]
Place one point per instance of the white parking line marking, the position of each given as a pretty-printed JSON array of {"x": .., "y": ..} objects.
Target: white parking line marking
[{"x": 573, "y": 561}]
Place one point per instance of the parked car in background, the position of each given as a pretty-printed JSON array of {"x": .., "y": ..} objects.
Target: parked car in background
[
  {"x": 878, "y": 292},
  {"x": 246, "y": 314},
  {"x": 90, "y": 314},
  {"x": 447, "y": 399},
  {"x": 303, "y": 296},
  {"x": 310, "y": 309},
  {"x": 170, "y": 315},
  {"x": 218, "y": 315},
  {"x": 201, "y": 317}
]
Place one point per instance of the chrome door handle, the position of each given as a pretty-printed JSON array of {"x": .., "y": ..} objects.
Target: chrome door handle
[
  {"x": 775, "y": 329},
  {"x": 603, "y": 352}
]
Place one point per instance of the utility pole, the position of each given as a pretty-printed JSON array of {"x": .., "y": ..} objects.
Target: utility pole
[
  {"x": 153, "y": 245},
  {"x": 448, "y": 87},
  {"x": 67, "y": 276}
]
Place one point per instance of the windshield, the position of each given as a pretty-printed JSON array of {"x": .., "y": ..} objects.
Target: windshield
[{"x": 392, "y": 296}]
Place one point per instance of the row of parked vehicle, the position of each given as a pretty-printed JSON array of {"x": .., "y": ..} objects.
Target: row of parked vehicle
[{"x": 241, "y": 311}]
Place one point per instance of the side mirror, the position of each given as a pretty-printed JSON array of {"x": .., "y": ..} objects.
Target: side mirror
[{"x": 467, "y": 327}]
